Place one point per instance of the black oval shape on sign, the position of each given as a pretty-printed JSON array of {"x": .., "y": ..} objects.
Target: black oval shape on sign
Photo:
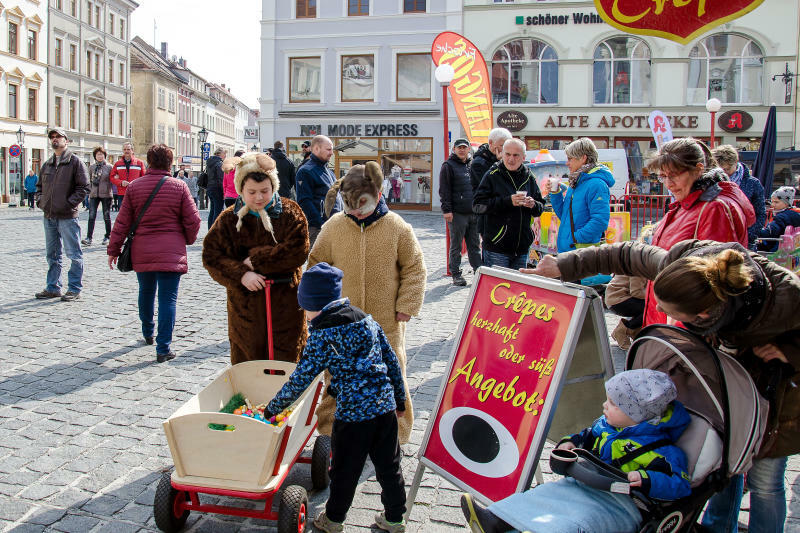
[
  {"x": 735, "y": 120},
  {"x": 476, "y": 439},
  {"x": 512, "y": 120}
]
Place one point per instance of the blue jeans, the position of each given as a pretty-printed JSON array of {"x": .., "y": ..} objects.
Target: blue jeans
[
  {"x": 767, "y": 500},
  {"x": 67, "y": 230},
  {"x": 504, "y": 260},
  {"x": 216, "y": 204},
  {"x": 167, "y": 285}
]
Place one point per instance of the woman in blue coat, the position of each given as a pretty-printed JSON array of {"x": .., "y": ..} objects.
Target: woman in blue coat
[{"x": 584, "y": 211}]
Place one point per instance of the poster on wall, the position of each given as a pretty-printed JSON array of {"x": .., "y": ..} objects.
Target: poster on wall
[
  {"x": 526, "y": 346},
  {"x": 677, "y": 21},
  {"x": 469, "y": 88}
]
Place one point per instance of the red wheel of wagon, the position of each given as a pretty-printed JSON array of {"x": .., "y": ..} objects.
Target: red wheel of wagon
[
  {"x": 292, "y": 510},
  {"x": 168, "y": 506}
]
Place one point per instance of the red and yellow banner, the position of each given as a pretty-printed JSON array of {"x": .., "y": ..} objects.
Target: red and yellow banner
[
  {"x": 677, "y": 20},
  {"x": 501, "y": 379},
  {"x": 471, "y": 85}
]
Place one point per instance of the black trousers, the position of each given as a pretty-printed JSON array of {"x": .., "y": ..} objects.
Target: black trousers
[
  {"x": 464, "y": 227},
  {"x": 216, "y": 200},
  {"x": 351, "y": 443},
  {"x": 633, "y": 308},
  {"x": 93, "y": 203},
  {"x": 31, "y": 200}
]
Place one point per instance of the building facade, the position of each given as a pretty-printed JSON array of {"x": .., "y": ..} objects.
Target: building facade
[
  {"x": 224, "y": 123},
  {"x": 89, "y": 88},
  {"x": 559, "y": 72},
  {"x": 23, "y": 83},
  {"x": 361, "y": 73}
]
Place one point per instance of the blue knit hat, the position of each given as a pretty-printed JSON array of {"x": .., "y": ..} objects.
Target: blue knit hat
[{"x": 319, "y": 286}]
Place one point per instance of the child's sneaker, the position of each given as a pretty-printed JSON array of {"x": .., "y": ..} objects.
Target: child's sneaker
[
  {"x": 391, "y": 527},
  {"x": 323, "y": 523}
]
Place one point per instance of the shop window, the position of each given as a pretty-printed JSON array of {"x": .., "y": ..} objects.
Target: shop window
[
  {"x": 407, "y": 178},
  {"x": 748, "y": 143},
  {"x": 414, "y": 6},
  {"x": 621, "y": 72},
  {"x": 356, "y": 8},
  {"x": 358, "y": 81},
  {"x": 549, "y": 143},
  {"x": 413, "y": 77},
  {"x": 728, "y": 67},
  {"x": 306, "y": 9},
  {"x": 305, "y": 79},
  {"x": 525, "y": 71}
]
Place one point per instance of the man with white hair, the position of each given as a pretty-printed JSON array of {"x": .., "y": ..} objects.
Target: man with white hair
[
  {"x": 508, "y": 196},
  {"x": 487, "y": 155}
]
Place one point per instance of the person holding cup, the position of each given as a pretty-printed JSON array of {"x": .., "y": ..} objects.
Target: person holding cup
[
  {"x": 583, "y": 207},
  {"x": 508, "y": 197}
]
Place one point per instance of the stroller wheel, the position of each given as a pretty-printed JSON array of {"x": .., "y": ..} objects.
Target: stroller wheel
[
  {"x": 293, "y": 510},
  {"x": 321, "y": 462},
  {"x": 169, "y": 516}
]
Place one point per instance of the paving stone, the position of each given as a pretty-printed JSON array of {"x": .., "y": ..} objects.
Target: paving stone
[
  {"x": 104, "y": 505},
  {"x": 73, "y": 523},
  {"x": 46, "y": 516}
]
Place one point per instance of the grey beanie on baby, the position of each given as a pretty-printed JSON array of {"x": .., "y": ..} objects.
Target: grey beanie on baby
[
  {"x": 642, "y": 394},
  {"x": 785, "y": 194}
]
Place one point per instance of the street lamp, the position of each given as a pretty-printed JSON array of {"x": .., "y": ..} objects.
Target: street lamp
[
  {"x": 444, "y": 75},
  {"x": 712, "y": 106},
  {"x": 254, "y": 148},
  {"x": 21, "y": 143},
  {"x": 202, "y": 135}
]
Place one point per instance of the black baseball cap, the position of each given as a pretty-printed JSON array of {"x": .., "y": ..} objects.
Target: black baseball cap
[
  {"x": 460, "y": 142},
  {"x": 306, "y": 144}
]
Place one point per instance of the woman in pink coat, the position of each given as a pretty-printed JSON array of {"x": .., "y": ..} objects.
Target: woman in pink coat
[
  {"x": 228, "y": 187},
  {"x": 169, "y": 224}
]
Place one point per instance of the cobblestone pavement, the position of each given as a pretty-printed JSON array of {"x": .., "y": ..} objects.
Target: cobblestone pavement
[{"x": 82, "y": 400}]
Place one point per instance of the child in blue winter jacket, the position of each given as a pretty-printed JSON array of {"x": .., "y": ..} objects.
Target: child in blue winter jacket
[
  {"x": 640, "y": 409},
  {"x": 781, "y": 201},
  {"x": 368, "y": 386}
]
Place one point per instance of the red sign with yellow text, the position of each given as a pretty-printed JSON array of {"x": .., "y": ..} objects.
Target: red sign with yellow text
[
  {"x": 501, "y": 380},
  {"x": 470, "y": 88},
  {"x": 677, "y": 20}
]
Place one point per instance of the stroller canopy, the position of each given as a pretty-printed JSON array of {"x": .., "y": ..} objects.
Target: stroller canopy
[{"x": 711, "y": 385}]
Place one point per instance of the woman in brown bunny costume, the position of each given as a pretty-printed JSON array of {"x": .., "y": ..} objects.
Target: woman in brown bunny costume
[
  {"x": 262, "y": 236},
  {"x": 383, "y": 265}
]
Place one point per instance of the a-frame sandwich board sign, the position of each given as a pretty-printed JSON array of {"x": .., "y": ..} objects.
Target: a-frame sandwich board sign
[{"x": 529, "y": 362}]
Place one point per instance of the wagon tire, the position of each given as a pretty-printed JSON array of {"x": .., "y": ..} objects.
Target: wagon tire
[
  {"x": 293, "y": 510},
  {"x": 321, "y": 463},
  {"x": 165, "y": 506}
]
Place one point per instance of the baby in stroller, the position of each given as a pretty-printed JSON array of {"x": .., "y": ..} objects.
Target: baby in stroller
[{"x": 637, "y": 433}]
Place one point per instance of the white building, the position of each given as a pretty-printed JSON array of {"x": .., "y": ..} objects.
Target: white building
[
  {"x": 361, "y": 73},
  {"x": 23, "y": 82},
  {"x": 568, "y": 74}
]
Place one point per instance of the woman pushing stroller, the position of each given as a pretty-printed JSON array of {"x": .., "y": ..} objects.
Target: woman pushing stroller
[{"x": 745, "y": 305}]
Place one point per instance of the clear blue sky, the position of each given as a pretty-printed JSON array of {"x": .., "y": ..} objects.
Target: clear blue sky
[{"x": 220, "y": 41}]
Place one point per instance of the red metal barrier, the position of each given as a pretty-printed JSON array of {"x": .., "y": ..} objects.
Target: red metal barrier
[{"x": 645, "y": 209}]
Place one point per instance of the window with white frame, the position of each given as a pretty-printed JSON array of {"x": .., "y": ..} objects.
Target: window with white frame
[
  {"x": 58, "y": 51},
  {"x": 171, "y": 103},
  {"x": 161, "y": 134},
  {"x": 525, "y": 71},
  {"x": 413, "y": 77},
  {"x": 305, "y": 79},
  {"x": 358, "y": 78},
  {"x": 162, "y": 98},
  {"x": 57, "y": 113},
  {"x": 621, "y": 71},
  {"x": 110, "y": 130},
  {"x": 726, "y": 66},
  {"x": 171, "y": 138}
]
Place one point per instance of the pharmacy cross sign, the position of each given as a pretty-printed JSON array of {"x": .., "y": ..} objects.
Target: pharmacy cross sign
[{"x": 680, "y": 21}]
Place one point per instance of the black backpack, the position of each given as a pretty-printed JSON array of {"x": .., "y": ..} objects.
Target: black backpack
[{"x": 202, "y": 180}]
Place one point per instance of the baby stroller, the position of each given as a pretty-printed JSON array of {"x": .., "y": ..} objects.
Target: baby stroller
[{"x": 711, "y": 385}]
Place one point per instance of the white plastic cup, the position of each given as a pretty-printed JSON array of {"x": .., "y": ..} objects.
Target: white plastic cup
[
  {"x": 555, "y": 186},
  {"x": 523, "y": 192}
]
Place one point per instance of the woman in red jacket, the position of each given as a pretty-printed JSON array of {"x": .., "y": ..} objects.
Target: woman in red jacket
[
  {"x": 159, "y": 248},
  {"x": 706, "y": 205}
]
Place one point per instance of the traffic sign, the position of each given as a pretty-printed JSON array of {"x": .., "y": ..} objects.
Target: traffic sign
[
  {"x": 14, "y": 150},
  {"x": 206, "y": 147},
  {"x": 205, "y": 156}
]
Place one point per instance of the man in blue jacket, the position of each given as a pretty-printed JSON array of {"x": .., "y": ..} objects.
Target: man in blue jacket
[
  {"x": 313, "y": 180},
  {"x": 584, "y": 211}
]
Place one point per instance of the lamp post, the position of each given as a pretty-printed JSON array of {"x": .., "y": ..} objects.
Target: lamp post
[
  {"x": 444, "y": 75},
  {"x": 202, "y": 135},
  {"x": 255, "y": 148},
  {"x": 712, "y": 106},
  {"x": 21, "y": 143}
]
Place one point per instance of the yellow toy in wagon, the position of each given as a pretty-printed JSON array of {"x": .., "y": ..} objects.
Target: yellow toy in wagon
[{"x": 224, "y": 454}]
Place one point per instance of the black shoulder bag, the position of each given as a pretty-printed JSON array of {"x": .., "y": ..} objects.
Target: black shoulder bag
[{"x": 125, "y": 260}]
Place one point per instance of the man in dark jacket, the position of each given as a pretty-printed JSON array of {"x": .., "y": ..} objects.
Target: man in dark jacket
[
  {"x": 306, "y": 148},
  {"x": 487, "y": 155},
  {"x": 286, "y": 171},
  {"x": 214, "y": 188},
  {"x": 508, "y": 196},
  {"x": 314, "y": 178},
  {"x": 63, "y": 185},
  {"x": 455, "y": 193}
]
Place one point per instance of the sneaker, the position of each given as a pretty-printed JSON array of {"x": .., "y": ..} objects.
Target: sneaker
[
  {"x": 458, "y": 280},
  {"x": 162, "y": 357},
  {"x": 480, "y": 519},
  {"x": 323, "y": 523},
  {"x": 86, "y": 242},
  {"x": 70, "y": 296},
  {"x": 148, "y": 340},
  {"x": 391, "y": 527},
  {"x": 105, "y": 241},
  {"x": 47, "y": 294}
]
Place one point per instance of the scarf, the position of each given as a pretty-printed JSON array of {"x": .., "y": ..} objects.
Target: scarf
[
  {"x": 379, "y": 211},
  {"x": 272, "y": 210},
  {"x": 737, "y": 176},
  {"x": 575, "y": 176}
]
